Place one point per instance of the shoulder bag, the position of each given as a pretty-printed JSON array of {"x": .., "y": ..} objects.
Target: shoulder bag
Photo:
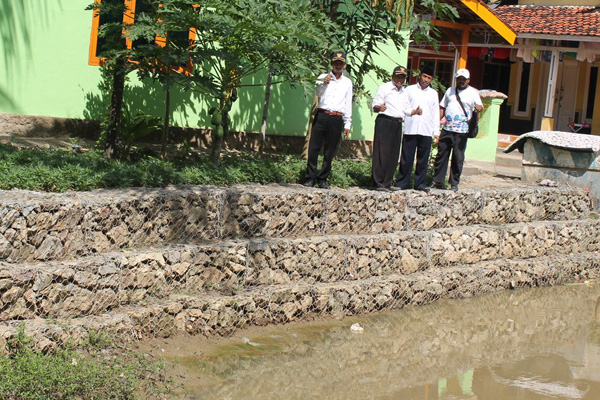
[{"x": 473, "y": 122}]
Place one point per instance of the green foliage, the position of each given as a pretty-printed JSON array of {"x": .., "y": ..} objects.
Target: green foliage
[
  {"x": 61, "y": 171},
  {"x": 234, "y": 39},
  {"x": 29, "y": 374},
  {"x": 134, "y": 128},
  {"x": 363, "y": 26}
]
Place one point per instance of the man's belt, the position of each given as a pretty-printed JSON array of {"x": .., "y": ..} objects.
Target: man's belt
[
  {"x": 339, "y": 114},
  {"x": 399, "y": 120}
]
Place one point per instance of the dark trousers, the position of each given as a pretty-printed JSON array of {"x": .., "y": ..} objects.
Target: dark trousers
[
  {"x": 386, "y": 150},
  {"x": 457, "y": 144},
  {"x": 326, "y": 132},
  {"x": 422, "y": 146}
]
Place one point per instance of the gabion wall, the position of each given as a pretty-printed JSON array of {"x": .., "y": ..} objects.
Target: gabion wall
[{"x": 209, "y": 260}]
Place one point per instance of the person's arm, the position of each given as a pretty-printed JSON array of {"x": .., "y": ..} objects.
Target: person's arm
[
  {"x": 436, "y": 112},
  {"x": 478, "y": 102},
  {"x": 322, "y": 82},
  {"x": 378, "y": 104},
  {"x": 406, "y": 106},
  {"x": 348, "y": 111},
  {"x": 444, "y": 103}
]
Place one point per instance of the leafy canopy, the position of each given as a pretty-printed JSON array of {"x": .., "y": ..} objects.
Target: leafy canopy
[{"x": 233, "y": 39}]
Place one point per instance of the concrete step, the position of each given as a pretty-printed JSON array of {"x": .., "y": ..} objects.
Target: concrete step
[
  {"x": 513, "y": 159},
  {"x": 48, "y": 226},
  {"x": 223, "y": 314},
  {"x": 505, "y": 140},
  {"x": 96, "y": 284}
]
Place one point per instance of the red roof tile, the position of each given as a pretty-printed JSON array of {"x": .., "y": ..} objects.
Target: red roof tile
[{"x": 551, "y": 20}]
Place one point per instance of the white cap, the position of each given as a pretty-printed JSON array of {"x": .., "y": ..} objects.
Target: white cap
[{"x": 464, "y": 73}]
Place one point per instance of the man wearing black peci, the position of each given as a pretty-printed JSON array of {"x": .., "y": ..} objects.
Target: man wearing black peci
[{"x": 419, "y": 130}]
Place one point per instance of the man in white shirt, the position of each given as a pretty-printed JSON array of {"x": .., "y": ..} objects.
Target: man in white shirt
[
  {"x": 419, "y": 130},
  {"x": 391, "y": 104},
  {"x": 454, "y": 133},
  {"x": 333, "y": 116}
]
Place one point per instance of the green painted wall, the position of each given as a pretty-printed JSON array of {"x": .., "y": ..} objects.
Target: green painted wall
[
  {"x": 483, "y": 147},
  {"x": 45, "y": 71}
]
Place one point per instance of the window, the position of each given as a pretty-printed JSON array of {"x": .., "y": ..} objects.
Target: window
[
  {"x": 98, "y": 45},
  {"x": 523, "y": 90}
]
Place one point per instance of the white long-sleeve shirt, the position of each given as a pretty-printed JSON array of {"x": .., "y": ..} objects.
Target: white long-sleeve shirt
[
  {"x": 395, "y": 100},
  {"x": 336, "y": 96},
  {"x": 428, "y": 123}
]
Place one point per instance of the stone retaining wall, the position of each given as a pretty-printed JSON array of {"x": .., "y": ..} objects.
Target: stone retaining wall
[
  {"x": 222, "y": 315},
  {"x": 211, "y": 260},
  {"x": 36, "y": 226},
  {"x": 70, "y": 289}
]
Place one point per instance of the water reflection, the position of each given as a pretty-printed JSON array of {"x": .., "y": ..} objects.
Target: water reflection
[{"x": 529, "y": 344}]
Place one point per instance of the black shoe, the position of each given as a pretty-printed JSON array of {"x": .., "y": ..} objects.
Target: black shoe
[
  {"x": 438, "y": 185},
  {"x": 382, "y": 189},
  {"x": 396, "y": 188},
  {"x": 323, "y": 185},
  {"x": 423, "y": 189},
  {"x": 309, "y": 183},
  {"x": 454, "y": 188}
]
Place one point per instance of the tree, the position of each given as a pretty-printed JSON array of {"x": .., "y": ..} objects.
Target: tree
[
  {"x": 233, "y": 40},
  {"x": 114, "y": 55}
]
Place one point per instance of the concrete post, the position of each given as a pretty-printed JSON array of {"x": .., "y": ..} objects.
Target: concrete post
[{"x": 483, "y": 147}]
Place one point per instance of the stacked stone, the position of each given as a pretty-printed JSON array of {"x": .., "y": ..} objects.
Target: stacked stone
[{"x": 210, "y": 260}]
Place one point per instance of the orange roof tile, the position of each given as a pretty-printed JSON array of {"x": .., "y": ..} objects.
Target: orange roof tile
[{"x": 551, "y": 20}]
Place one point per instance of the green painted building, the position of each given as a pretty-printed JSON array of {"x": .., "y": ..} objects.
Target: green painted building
[{"x": 46, "y": 71}]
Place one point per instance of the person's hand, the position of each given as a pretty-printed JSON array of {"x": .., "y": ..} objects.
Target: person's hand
[
  {"x": 382, "y": 107},
  {"x": 417, "y": 111},
  {"x": 478, "y": 108},
  {"x": 346, "y": 133},
  {"x": 328, "y": 78},
  {"x": 436, "y": 139}
]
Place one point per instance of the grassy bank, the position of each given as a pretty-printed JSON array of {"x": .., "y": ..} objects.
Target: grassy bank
[
  {"x": 94, "y": 371},
  {"x": 60, "y": 170}
]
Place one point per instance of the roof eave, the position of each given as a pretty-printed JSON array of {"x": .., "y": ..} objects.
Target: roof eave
[{"x": 483, "y": 12}]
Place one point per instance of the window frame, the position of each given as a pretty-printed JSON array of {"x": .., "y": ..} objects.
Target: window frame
[
  {"x": 516, "y": 112},
  {"x": 128, "y": 19}
]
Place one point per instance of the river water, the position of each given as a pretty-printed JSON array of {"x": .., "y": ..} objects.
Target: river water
[{"x": 524, "y": 344}]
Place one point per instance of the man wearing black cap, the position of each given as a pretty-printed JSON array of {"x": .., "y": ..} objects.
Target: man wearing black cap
[
  {"x": 392, "y": 106},
  {"x": 457, "y": 106},
  {"x": 419, "y": 130},
  {"x": 333, "y": 116}
]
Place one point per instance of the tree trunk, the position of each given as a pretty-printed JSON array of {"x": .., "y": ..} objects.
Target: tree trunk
[
  {"x": 215, "y": 152},
  {"x": 113, "y": 131},
  {"x": 220, "y": 129},
  {"x": 263, "y": 126},
  {"x": 165, "y": 133},
  {"x": 313, "y": 111}
]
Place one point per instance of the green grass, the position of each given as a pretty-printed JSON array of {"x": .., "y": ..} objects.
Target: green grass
[
  {"x": 63, "y": 373},
  {"x": 62, "y": 170}
]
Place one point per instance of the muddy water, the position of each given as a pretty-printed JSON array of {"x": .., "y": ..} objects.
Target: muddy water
[{"x": 527, "y": 344}]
